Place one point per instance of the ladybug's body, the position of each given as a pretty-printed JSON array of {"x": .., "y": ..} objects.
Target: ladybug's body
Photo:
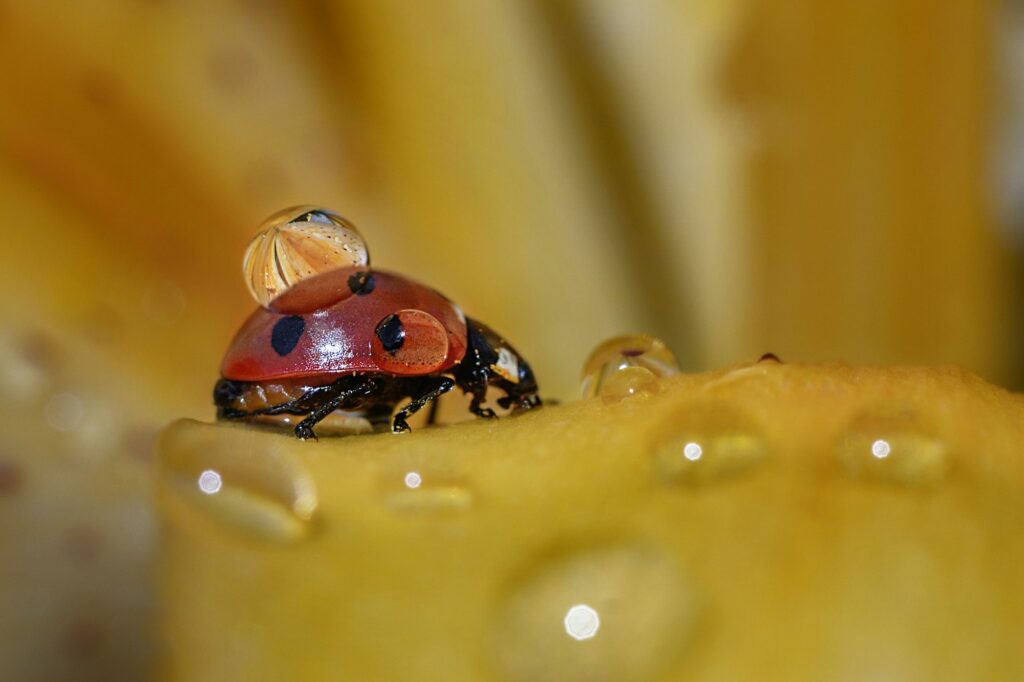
[{"x": 354, "y": 339}]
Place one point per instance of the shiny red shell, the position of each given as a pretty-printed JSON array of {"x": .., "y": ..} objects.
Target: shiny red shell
[{"x": 327, "y": 326}]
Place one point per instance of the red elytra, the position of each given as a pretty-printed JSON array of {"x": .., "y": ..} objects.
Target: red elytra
[{"x": 326, "y": 327}]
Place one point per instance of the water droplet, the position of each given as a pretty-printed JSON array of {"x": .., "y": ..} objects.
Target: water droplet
[
  {"x": 611, "y": 370},
  {"x": 299, "y": 243},
  {"x": 263, "y": 492},
  {"x": 893, "y": 444},
  {"x": 628, "y": 381},
  {"x": 623, "y": 612},
  {"x": 421, "y": 491},
  {"x": 64, "y": 412},
  {"x": 707, "y": 442}
]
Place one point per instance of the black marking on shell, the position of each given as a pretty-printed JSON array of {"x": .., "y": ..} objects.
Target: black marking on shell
[
  {"x": 361, "y": 283},
  {"x": 286, "y": 334},
  {"x": 391, "y": 333}
]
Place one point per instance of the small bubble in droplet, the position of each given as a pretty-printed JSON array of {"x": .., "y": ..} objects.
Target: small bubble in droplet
[
  {"x": 895, "y": 444},
  {"x": 266, "y": 493},
  {"x": 613, "y": 369},
  {"x": 415, "y": 492},
  {"x": 706, "y": 442},
  {"x": 770, "y": 357},
  {"x": 632, "y": 599},
  {"x": 64, "y": 412}
]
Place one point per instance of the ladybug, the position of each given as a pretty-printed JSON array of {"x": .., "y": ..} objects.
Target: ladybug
[{"x": 354, "y": 339}]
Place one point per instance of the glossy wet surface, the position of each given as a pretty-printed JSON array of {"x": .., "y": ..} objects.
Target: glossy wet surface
[{"x": 766, "y": 521}]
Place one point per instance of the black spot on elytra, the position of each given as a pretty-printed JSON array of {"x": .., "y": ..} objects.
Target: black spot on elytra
[
  {"x": 286, "y": 334},
  {"x": 391, "y": 333},
  {"x": 361, "y": 283}
]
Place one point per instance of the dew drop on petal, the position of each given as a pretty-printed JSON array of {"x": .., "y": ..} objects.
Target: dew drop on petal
[
  {"x": 298, "y": 243},
  {"x": 628, "y": 381},
  {"x": 621, "y": 612},
  {"x": 705, "y": 443},
  {"x": 416, "y": 491},
  {"x": 610, "y": 370},
  {"x": 263, "y": 493},
  {"x": 894, "y": 444}
]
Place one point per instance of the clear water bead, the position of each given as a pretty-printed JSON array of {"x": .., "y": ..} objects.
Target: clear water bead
[
  {"x": 625, "y": 365},
  {"x": 298, "y": 243},
  {"x": 419, "y": 491},
  {"x": 893, "y": 444},
  {"x": 706, "y": 443},
  {"x": 264, "y": 494},
  {"x": 620, "y": 612}
]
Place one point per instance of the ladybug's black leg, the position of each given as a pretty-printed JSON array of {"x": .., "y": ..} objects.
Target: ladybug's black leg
[
  {"x": 304, "y": 429},
  {"x": 341, "y": 393},
  {"x": 433, "y": 387},
  {"x": 520, "y": 402},
  {"x": 308, "y": 401},
  {"x": 432, "y": 415},
  {"x": 479, "y": 394}
]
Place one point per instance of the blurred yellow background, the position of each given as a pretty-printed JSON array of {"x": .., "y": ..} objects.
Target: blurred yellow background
[{"x": 826, "y": 181}]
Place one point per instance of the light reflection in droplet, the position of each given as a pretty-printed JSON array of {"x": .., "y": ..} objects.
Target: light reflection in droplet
[
  {"x": 880, "y": 449},
  {"x": 413, "y": 480},
  {"x": 692, "y": 451},
  {"x": 581, "y": 622},
  {"x": 210, "y": 482}
]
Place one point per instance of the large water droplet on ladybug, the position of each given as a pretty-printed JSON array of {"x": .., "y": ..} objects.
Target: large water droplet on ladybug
[
  {"x": 259, "y": 492},
  {"x": 298, "y": 243},
  {"x": 627, "y": 365},
  {"x": 894, "y": 444}
]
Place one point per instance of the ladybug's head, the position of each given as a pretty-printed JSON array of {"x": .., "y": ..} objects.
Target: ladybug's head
[{"x": 505, "y": 367}]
